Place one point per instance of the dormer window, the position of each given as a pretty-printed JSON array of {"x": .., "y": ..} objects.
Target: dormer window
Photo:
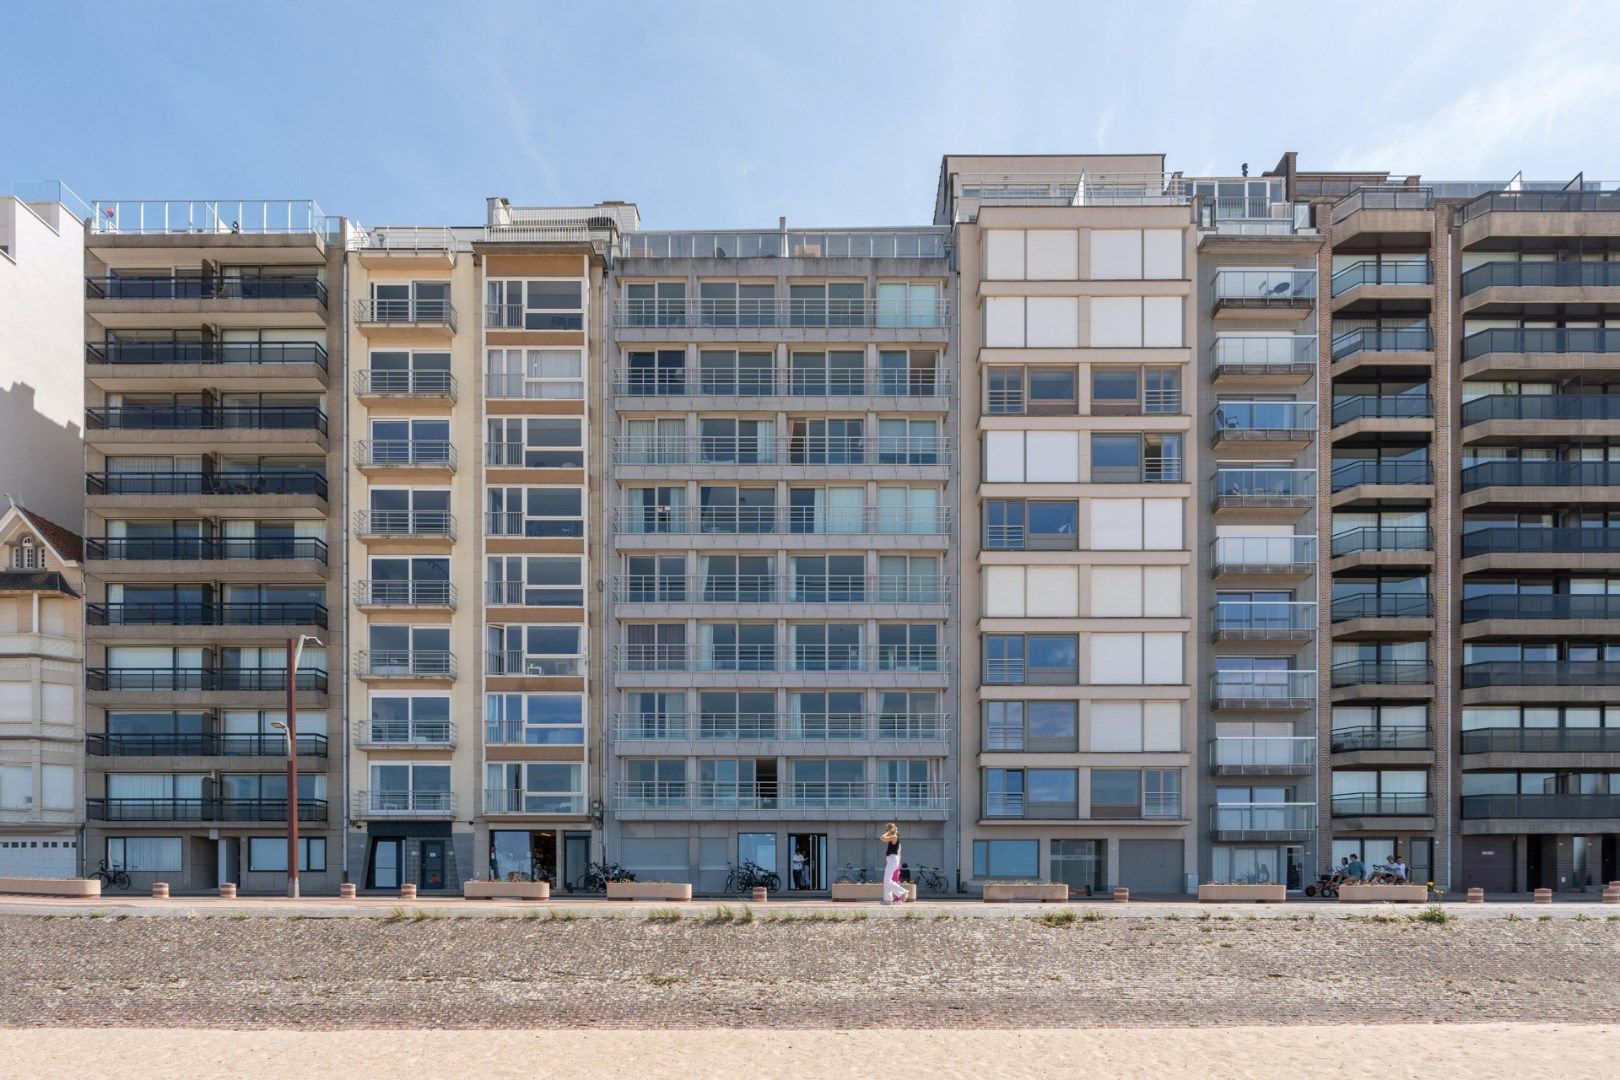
[{"x": 26, "y": 554}]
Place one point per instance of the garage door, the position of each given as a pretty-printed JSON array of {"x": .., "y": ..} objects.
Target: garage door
[
  {"x": 656, "y": 859},
  {"x": 1487, "y": 863},
  {"x": 39, "y": 856},
  {"x": 1152, "y": 867}
]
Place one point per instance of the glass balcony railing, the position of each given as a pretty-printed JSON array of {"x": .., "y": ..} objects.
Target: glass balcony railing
[
  {"x": 1541, "y": 407},
  {"x": 810, "y": 450},
  {"x": 255, "y": 680},
  {"x": 206, "y": 418},
  {"x": 783, "y": 382},
  {"x": 1351, "y": 739},
  {"x": 1541, "y": 740},
  {"x": 1551, "y": 340},
  {"x": 1382, "y": 804},
  {"x": 1537, "y": 541},
  {"x": 1262, "y": 755},
  {"x": 1541, "y": 202},
  {"x": 1541, "y": 807},
  {"x": 269, "y": 811},
  {"x": 1385, "y": 198},
  {"x": 1265, "y": 618},
  {"x": 1260, "y": 554},
  {"x": 1484, "y": 673},
  {"x": 199, "y": 352},
  {"x": 263, "y": 482},
  {"x": 199, "y": 744},
  {"x": 1401, "y": 339},
  {"x": 1383, "y": 673},
  {"x": 1357, "y": 471},
  {"x": 199, "y": 548},
  {"x": 1541, "y": 606},
  {"x": 1541, "y": 474},
  {"x": 931, "y": 313},
  {"x": 787, "y": 520},
  {"x": 206, "y": 614},
  {"x": 1264, "y": 486},
  {"x": 1391, "y": 538},
  {"x": 1383, "y": 606},
  {"x": 196, "y": 285},
  {"x": 1374, "y": 272},
  {"x": 1259, "y": 354},
  {"x": 1279, "y": 687},
  {"x": 1262, "y": 419},
  {"x": 1541, "y": 275},
  {"x": 1280, "y": 820},
  {"x": 1265, "y": 287},
  {"x": 1381, "y": 407}
]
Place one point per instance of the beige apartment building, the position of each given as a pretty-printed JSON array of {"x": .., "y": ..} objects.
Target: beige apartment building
[
  {"x": 214, "y": 450},
  {"x": 1078, "y": 604}
]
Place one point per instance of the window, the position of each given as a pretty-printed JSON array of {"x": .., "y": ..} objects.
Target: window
[
  {"x": 539, "y": 787},
  {"x": 722, "y": 372},
  {"x": 832, "y": 303},
  {"x": 757, "y": 848},
  {"x": 408, "y": 719},
  {"x": 535, "y": 374},
  {"x": 1079, "y": 864},
  {"x": 1116, "y": 793},
  {"x": 908, "y": 303},
  {"x": 535, "y": 305},
  {"x": 269, "y": 854},
  {"x": 536, "y": 580},
  {"x": 1135, "y": 459},
  {"x": 1053, "y": 392},
  {"x": 27, "y": 555},
  {"x": 534, "y": 649},
  {"x": 1135, "y": 391},
  {"x": 401, "y": 371},
  {"x": 536, "y": 511},
  {"x": 1161, "y": 793},
  {"x": 998, "y": 859},
  {"x": 1034, "y": 726},
  {"x": 149, "y": 853},
  {"x": 731, "y": 303},
  {"x": 535, "y": 719},
  {"x": 537, "y": 442}
]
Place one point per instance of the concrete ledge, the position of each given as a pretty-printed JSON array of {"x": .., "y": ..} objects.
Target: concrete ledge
[
  {"x": 1034, "y": 892},
  {"x": 852, "y": 891},
  {"x": 1389, "y": 894},
  {"x": 1273, "y": 893},
  {"x": 40, "y": 886},
  {"x": 649, "y": 890},
  {"x": 506, "y": 890}
]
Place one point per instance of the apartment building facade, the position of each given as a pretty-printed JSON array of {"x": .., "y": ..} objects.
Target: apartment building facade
[
  {"x": 214, "y": 448},
  {"x": 780, "y": 479},
  {"x": 1076, "y": 298}
]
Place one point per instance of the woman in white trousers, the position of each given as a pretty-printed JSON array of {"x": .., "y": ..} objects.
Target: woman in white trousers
[{"x": 893, "y": 891}]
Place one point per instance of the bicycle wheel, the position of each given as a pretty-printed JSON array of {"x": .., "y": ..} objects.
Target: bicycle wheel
[
  {"x": 772, "y": 882},
  {"x": 122, "y": 881}
]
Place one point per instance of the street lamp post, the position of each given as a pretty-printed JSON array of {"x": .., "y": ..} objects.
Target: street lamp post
[{"x": 295, "y": 650}]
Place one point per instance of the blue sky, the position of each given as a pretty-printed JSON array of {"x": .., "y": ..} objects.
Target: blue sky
[{"x": 730, "y": 114}]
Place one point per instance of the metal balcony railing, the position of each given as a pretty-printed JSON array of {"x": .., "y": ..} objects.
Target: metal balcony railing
[
  {"x": 271, "y": 811},
  {"x": 793, "y": 520},
  {"x": 790, "y": 589},
  {"x": 1389, "y": 538},
  {"x": 252, "y": 680},
  {"x": 1152, "y": 470},
  {"x": 517, "y": 523},
  {"x": 395, "y": 733},
  {"x": 783, "y": 382},
  {"x": 405, "y": 312},
  {"x": 1357, "y": 471},
  {"x": 1387, "y": 605},
  {"x": 795, "y": 243},
  {"x": 1540, "y": 806},
  {"x": 1542, "y": 202},
  {"x": 1382, "y": 199},
  {"x": 406, "y": 663},
  {"x": 196, "y": 285},
  {"x": 1260, "y": 354},
  {"x": 829, "y": 450},
  {"x": 206, "y": 614},
  {"x": 1541, "y": 275},
  {"x": 210, "y": 352},
  {"x": 827, "y": 795},
  {"x": 1260, "y": 554},
  {"x": 517, "y": 801},
  {"x": 1383, "y": 673},
  {"x": 1541, "y": 673},
  {"x": 262, "y": 482},
  {"x": 1376, "y": 339},
  {"x": 811, "y": 727},
  {"x": 1366, "y": 737},
  {"x": 1264, "y": 287},
  {"x": 1384, "y": 804},
  {"x": 1534, "y": 541},
  {"x": 1263, "y": 755},
  {"x": 1374, "y": 272},
  {"x": 1264, "y": 486},
  {"x": 383, "y": 804},
  {"x": 1550, "y": 340},
  {"x": 927, "y": 659},
  {"x": 199, "y": 744},
  {"x": 1381, "y": 407},
  {"x": 422, "y": 523},
  {"x": 379, "y": 382},
  {"x": 1541, "y": 740},
  {"x": 1264, "y": 618},
  {"x": 198, "y": 548},
  {"x": 1542, "y": 407},
  {"x": 375, "y": 593},
  {"x": 1263, "y": 820},
  {"x": 513, "y": 662},
  {"x": 1541, "y": 474},
  {"x": 1280, "y": 687},
  {"x": 777, "y": 312},
  {"x": 206, "y": 418},
  {"x": 1541, "y": 606},
  {"x": 405, "y": 453}
]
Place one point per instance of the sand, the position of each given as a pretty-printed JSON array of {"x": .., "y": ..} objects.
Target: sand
[{"x": 1476, "y": 1051}]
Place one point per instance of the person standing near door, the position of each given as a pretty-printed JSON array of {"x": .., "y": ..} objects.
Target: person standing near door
[
  {"x": 801, "y": 869},
  {"x": 893, "y": 891}
]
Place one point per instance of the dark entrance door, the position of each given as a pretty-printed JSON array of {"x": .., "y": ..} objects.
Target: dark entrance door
[
  {"x": 807, "y": 861},
  {"x": 432, "y": 876},
  {"x": 576, "y": 857},
  {"x": 1539, "y": 863},
  {"x": 383, "y": 873},
  {"x": 1487, "y": 863},
  {"x": 1609, "y": 870}
]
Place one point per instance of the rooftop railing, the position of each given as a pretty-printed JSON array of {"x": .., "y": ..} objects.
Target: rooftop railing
[
  {"x": 921, "y": 243},
  {"x": 216, "y": 216},
  {"x": 1594, "y": 197},
  {"x": 1382, "y": 198},
  {"x": 51, "y": 191}
]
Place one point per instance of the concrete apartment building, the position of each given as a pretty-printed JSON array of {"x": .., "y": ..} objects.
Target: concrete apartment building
[
  {"x": 475, "y": 351},
  {"x": 214, "y": 453},
  {"x": 1078, "y": 602},
  {"x": 780, "y": 477}
]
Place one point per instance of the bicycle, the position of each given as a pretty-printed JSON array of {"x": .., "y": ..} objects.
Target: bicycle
[
  {"x": 929, "y": 877},
  {"x": 746, "y": 876},
  {"x": 112, "y": 876},
  {"x": 850, "y": 874},
  {"x": 597, "y": 875}
]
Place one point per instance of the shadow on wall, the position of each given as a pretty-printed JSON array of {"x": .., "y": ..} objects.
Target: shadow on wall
[{"x": 41, "y": 461}]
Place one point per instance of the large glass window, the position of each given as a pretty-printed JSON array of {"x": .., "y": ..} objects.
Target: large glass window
[
  {"x": 269, "y": 853},
  {"x": 1006, "y": 859},
  {"x": 534, "y": 719}
]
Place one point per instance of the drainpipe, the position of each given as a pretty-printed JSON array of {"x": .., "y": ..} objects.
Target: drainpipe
[{"x": 343, "y": 460}]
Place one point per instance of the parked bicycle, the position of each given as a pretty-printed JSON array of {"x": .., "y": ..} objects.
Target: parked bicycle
[
  {"x": 850, "y": 874},
  {"x": 747, "y": 876},
  {"x": 930, "y": 878},
  {"x": 112, "y": 876},
  {"x": 598, "y": 874}
]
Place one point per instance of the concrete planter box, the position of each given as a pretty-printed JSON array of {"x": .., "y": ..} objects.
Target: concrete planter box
[
  {"x": 852, "y": 891},
  {"x": 1388, "y": 894},
  {"x": 1033, "y": 892},
  {"x": 506, "y": 890},
  {"x": 1273, "y": 893},
  {"x": 649, "y": 890},
  {"x": 44, "y": 886}
]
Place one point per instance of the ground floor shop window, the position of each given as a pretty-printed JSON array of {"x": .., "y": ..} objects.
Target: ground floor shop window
[
  {"x": 1376, "y": 851},
  {"x": 759, "y": 849},
  {"x": 1002, "y": 859},
  {"x": 146, "y": 853},
  {"x": 269, "y": 853},
  {"x": 1262, "y": 865}
]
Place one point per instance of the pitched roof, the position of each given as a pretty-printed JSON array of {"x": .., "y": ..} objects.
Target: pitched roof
[
  {"x": 35, "y": 581},
  {"x": 67, "y": 543}
]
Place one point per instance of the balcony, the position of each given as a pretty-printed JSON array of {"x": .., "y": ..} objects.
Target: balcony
[
  {"x": 1151, "y": 470},
  {"x": 204, "y": 548},
  {"x": 1541, "y": 415},
  {"x": 1262, "y": 755},
  {"x": 199, "y": 744},
  {"x": 405, "y": 664},
  {"x": 196, "y": 285},
  {"x": 374, "y": 734},
  {"x": 1289, "y": 424},
  {"x": 1383, "y": 673},
  {"x": 1537, "y": 478},
  {"x": 744, "y": 318},
  {"x": 383, "y": 383},
  {"x": 405, "y": 313},
  {"x": 1541, "y": 807},
  {"x": 1548, "y": 740},
  {"x": 230, "y": 354},
  {"x": 405, "y": 524},
  {"x": 1393, "y": 541},
  {"x": 1541, "y": 673},
  {"x": 771, "y": 727},
  {"x": 222, "y": 219},
  {"x": 192, "y": 484},
  {"x": 1350, "y": 409},
  {"x": 1546, "y": 606},
  {"x": 780, "y": 382},
  {"x": 1280, "y": 821},
  {"x": 1544, "y": 276},
  {"x": 926, "y": 243},
  {"x": 1290, "y": 555},
  {"x": 516, "y": 801},
  {"x": 1371, "y": 605},
  {"x": 404, "y": 454},
  {"x": 1261, "y": 359},
  {"x": 1542, "y": 548},
  {"x": 206, "y": 614},
  {"x": 834, "y": 800},
  {"x": 769, "y": 659},
  {"x": 1383, "y": 211},
  {"x": 370, "y": 593},
  {"x": 794, "y": 452},
  {"x": 1268, "y": 293},
  {"x": 238, "y": 680},
  {"x": 269, "y": 811},
  {"x": 1372, "y": 279},
  {"x": 1387, "y": 804},
  {"x": 405, "y": 804},
  {"x": 1370, "y": 738},
  {"x": 1373, "y": 345},
  {"x": 515, "y": 663},
  {"x": 1585, "y": 211},
  {"x": 253, "y": 423},
  {"x": 1257, "y": 620},
  {"x": 1017, "y": 806},
  {"x": 783, "y": 520},
  {"x": 1507, "y": 352},
  {"x": 1291, "y": 490},
  {"x": 1263, "y": 689},
  {"x": 791, "y": 589},
  {"x": 1380, "y": 472}
]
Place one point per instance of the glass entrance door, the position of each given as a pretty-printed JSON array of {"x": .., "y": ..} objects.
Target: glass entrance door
[
  {"x": 385, "y": 860},
  {"x": 432, "y": 875},
  {"x": 576, "y": 857},
  {"x": 808, "y": 861}
]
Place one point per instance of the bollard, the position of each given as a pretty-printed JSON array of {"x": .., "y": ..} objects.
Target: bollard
[
  {"x": 407, "y": 892},
  {"x": 1611, "y": 895},
  {"x": 1122, "y": 895},
  {"x": 1476, "y": 896},
  {"x": 1542, "y": 896},
  {"x": 227, "y": 890},
  {"x": 346, "y": 891},
  {"x": 760, "y": 892},
  {"x": 160, "y": 890}
]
